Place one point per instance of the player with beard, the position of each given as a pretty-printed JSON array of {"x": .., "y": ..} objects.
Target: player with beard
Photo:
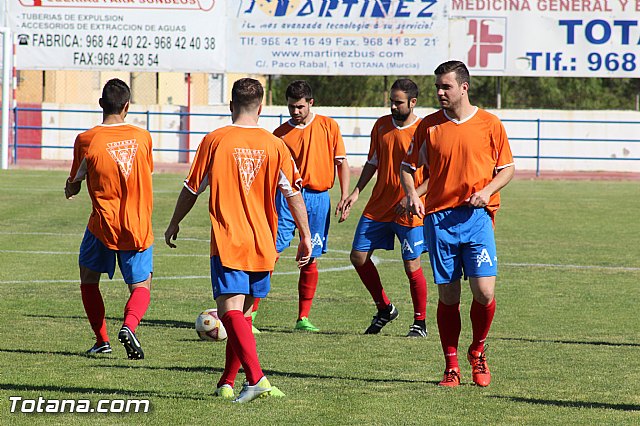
[
  {"x": 467, "y": 155},
  {"x": 384, "y": 217}
]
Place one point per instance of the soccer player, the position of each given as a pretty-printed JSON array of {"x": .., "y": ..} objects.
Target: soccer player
[
  {"x": 384, "y": 218},
  {"x": 466, "y": 152},
  {"x": 245, "y": 166},
  {"x": 317, "y": 147},
  {"x": 116, "y": 159}
]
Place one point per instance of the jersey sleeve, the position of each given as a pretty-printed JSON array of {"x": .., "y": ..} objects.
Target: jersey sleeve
[
  {"x": 339, "y": 151},
  {"x": 289, "y": 180},
  {"x": 416, "y": 156},
  {"x": 198, "y": 178},
  {"x": 504, "y": 157},
  {"x": 78, "y": 166},
  {"x": 372, "y": 157}
]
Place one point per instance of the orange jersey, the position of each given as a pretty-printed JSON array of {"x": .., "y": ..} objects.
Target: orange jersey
[
  {"x": 117, "y": 162},
  {"x": 244, "y": 166},
  {"x": 389, "y": 145},
  {"x": 462, "y": 157},
  {"x": 315, "y": 147}
]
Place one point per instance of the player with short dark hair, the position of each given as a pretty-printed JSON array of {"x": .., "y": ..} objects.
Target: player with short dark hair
[
  {"x": 317, "y": 147},
  {"x": 384, "y": 217},
  {"x": 466, "y": 154},
  {"x": 244, "y": 166},
  {"x": 116, "y": 159}
]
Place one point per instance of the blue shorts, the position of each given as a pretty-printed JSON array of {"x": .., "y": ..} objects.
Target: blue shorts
[
  {"x": 461, "y": 239},
  {"x": 318, "y": 206},
  {"x": 135, "y": 266},
  {"x": 232, "y": 281},
  {"x": 371, "y": 235}
]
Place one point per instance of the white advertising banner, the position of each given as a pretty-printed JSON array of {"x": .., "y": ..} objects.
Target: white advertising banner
[
  {"x": 544, "y": 38},
  {"x": 128, "y": 35},
  {"x": 347, "y": 37}
]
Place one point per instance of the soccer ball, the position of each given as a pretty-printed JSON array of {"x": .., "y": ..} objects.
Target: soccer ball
[{"x": 209, "y": 326}]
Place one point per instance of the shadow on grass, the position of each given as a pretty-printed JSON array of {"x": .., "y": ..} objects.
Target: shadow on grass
[
  {"x": 274, "y": 373},
  {"x": 89, "y": 390},
  {"x": 63, "y": 353},
  {"x": 567, "y": 342},
  {"x": 571, "y": 404},
  {"x": 145, "y": 322}
]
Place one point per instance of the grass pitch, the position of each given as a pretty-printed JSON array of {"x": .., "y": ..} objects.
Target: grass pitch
[{"x": 564, "y": 347}]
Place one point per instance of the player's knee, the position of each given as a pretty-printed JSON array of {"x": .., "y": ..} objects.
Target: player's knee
[{"x": 358, "y": 258}]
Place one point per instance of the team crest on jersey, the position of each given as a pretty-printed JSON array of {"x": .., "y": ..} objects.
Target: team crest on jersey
[
  {"x": 406, "y": 246},
  {"x": 249, "y": 162},
  {"x": 484, "y": 257},
  {"x": 316, "y": 241},
  {"x": 123, "y": 153}
]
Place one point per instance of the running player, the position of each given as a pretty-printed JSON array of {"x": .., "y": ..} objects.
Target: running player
[
  {"x": 384, "y": 218},
  {"x": 116, "y": 159},
  {"x": 245, "y": 166},
  {"x": 466, "y": 152}
]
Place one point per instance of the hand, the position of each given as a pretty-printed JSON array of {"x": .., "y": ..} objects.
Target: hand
[
  {"x": 478, "y": 199},
  {"x": 171, "y": 234},
  {"x": 415, "y": 206},
  {"x": 71, "y": 189},
  {"x": 401, "y": 208},
  {"x": 304, "y": 252},
  {"x": 344, "y": 206}
]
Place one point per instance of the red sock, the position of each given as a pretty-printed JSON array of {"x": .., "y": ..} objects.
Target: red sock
[
  {"x": 94, "y": 307},
  {"x": 481, "y": 318},
  {"x": 371, "y": 279},
  {"x": 418, "y": 288},
  {"x": 136, "y": 307},
  {"x": 241, "y": 339},
  {"x": 232, "y": 363},
  {"x": 307, "y": 284},
  {"x": 256, "y": 302},
  {"x": 449, "y": 327}
]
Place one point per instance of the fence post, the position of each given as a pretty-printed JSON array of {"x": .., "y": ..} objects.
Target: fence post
[
  {"x": 15, "y": 134},
  {"x": 538, "y": 148}
]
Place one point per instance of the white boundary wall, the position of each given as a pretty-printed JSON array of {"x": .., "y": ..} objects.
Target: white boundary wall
[{"x": 359, "y": 121}]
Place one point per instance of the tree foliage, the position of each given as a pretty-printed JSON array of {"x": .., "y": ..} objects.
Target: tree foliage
[{"x": 516, "y": 92}]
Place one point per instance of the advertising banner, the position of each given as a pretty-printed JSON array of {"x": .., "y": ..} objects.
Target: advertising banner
[
  {"x": 544, "y": 38},
  {"x": 129, "y": 35},
  {"x": 347, "y": 37}
]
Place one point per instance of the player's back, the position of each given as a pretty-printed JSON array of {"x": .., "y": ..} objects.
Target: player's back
[
  {"x": 119, "y": 164},
  {"x": 314, "y": 147},
  {"x": 246, "y": 165}
]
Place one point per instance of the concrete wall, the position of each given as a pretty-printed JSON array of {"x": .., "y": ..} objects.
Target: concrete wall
[{"x": 617, "y": 143}]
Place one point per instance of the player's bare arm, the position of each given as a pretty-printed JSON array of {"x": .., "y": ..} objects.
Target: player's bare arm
[
  {"x": 407, "y": 179},
  {"x": 299, "y": 213},
  {"x": 344, "y": 175},
  {"x": 72, "y": 189},
  {"x": 185, "y": 203},
  {"x": 368, "y": 171},
  {"x": 499, "y": 181}
]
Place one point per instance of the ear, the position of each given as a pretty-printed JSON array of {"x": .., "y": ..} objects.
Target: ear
[
  {"x": 126, "y": 108},
  {"x": 311, "y": 102},
  {"x": 413, "y": 102},
  {"x": 465, "y": 87},
  {"x": 231, "y": 106},
  {"x": 260, "y": 109},
  {"x": 100, "y": 103}
]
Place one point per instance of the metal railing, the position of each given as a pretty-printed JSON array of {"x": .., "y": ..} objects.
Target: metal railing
[{"x": 534, "y": 136}]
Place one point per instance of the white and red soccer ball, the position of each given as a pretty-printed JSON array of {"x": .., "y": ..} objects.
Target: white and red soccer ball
[{"x": 209, "y": 326}]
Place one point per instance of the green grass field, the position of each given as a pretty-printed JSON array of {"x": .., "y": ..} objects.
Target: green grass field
[{"x": 564, "y": 347}]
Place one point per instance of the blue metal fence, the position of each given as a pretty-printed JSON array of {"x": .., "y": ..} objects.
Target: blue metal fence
[{"x": 534, "y": 136}]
